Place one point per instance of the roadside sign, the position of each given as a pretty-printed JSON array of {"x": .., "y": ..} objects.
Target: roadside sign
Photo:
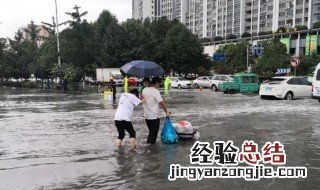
[
  {"x": 295, "y": 62},
  {"x": 219, "y": 57}
]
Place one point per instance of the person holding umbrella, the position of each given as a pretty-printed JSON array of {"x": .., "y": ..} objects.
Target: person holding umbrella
[
  {"x": 153, "y": 100},
  {"x": 151, "y": 94}
]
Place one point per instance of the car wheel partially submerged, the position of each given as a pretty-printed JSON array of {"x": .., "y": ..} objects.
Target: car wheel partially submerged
[
  {"x": 289, "y": 96},
  {"x": 214, "y": 88}
]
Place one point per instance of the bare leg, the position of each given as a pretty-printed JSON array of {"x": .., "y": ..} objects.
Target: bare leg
[
  {"x": 118, "y": 142},
  {"x": 133, "y": 143}
]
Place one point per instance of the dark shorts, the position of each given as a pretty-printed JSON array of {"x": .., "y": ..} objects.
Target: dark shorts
[{"x": 123, "y": 126}]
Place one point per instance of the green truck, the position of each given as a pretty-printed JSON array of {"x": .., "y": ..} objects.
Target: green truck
[{"x": 243, "y": 83}]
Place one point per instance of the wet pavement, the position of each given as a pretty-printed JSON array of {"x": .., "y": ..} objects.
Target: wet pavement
[{"x": 54, "y": 140}]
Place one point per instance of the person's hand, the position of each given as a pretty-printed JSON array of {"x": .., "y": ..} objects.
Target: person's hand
[{"x": 168, "y": 114}]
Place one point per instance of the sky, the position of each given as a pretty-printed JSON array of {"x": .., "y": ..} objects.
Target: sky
[{"x": 15, "y": 14}]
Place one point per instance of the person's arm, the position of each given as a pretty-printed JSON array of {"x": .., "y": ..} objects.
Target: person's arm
[
  {"x": 143, "y": 100},
  {"x": 164, "y": 107}
]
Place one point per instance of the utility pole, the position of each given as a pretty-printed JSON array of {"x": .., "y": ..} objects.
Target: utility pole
[
  {"x": 57, "y": 28},
  {"x": 247, "y": 57}
]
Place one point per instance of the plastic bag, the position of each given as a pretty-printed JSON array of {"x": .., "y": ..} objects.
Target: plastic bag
[
  {"x": 168, "y": 134},
  {"x": 185, "y": 130}
]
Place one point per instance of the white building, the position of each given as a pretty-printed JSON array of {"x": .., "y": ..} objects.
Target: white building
[{"x": 209, "y": 18}]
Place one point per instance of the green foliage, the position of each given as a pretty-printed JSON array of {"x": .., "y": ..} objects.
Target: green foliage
[
  {"x": 281, "y": 30},
  {"x": 316, "y": 25},
  {"x": 217, "y": 38},
  {"x": 183, "y": 51},
  {"x": 245, "y": 35},
  {"x": 299, "y": 27},
  {"x": 274, "y": 57},
  {"x": 231, "y": 36},
  {"x": 261, "y": 33},
  {"x": 204, "y": 40},
  {"x": 236, "y": 58},
  {"x": 103, "y": 43},
  {"x": 307, "y": 64}
]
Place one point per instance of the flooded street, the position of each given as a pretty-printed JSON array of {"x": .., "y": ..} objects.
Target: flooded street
[{"x": 54, "y": 140}]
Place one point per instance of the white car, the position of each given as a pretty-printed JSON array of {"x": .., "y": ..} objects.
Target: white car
[
  {"x": 219, "y": 79},
  {"x": 316, "y": 83},
  {"x": 204, "y": 81},
  {"x": 180, "y": 82},
  {"x": 285, "y": 88}
]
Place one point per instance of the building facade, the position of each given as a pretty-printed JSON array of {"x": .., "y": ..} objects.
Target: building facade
[{"x": 209, "y": 18}]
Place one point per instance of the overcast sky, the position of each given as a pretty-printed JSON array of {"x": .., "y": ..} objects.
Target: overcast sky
[{"x": 18, "y": 13}]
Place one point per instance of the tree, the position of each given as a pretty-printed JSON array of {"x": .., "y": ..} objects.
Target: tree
[
  {"x": 308, "y": 64},
  {"x": 274, "y": 57},
  {"x": 76, "y": 16},
  {"x": 236, "y": 58},
  {"x": 77, "y": 44},
  {"x": 138, "y": 41},
  {"x": 184, "y": 52},
  {"x": 110, "y": 40}
]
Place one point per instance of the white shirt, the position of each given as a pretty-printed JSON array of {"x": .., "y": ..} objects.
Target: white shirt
[
  {"x": 125, "y": 108},
  {"x": 151, "y": 107}
]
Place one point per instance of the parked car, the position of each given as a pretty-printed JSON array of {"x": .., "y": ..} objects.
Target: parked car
[
  {"x": 243, "y": 83},
  {"x": 180, "y": 82},
  {"x": 118, "y": 79},
  {"x": 285, "y": 88},
  {"x": 219, "y": 79},
  {"x": 316, "y": 83},
  {"x": 204, "y": 81}
]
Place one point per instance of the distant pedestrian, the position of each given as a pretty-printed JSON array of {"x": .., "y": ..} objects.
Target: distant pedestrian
[
  {"x": 126, "y": 84},
  {"x": 153, "y": 99},
  {"x": 167, "y": 85},
  {"x": 123, "y": 116},
  {"x": 113, "y": 87}
]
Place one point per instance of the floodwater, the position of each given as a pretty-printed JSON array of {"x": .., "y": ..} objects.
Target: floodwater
[{"x": 54, "y": 140}]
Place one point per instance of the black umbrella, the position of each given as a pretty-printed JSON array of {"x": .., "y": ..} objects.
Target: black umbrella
[{"x": 142, "y": 68}]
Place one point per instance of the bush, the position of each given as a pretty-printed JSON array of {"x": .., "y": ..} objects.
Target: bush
[
  {"x": 316, "y": 25},
  {"x": 264, "y": 33},
  {"x": 204, "y": 40},
  {"x": 281, "y": 30},
  {"x": 245, "y": 35},
  {"x": 231, "y": 36},
  {"x": 298, "y": 28},
  {"x": 217, "y": 38}
]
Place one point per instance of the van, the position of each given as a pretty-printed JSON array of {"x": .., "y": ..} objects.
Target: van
[
  {"x": 243, "y": 83},
  {"x": 316, "y": 83}
]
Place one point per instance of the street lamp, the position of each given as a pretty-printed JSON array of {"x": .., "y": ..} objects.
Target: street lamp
[{"x": 57, "y": 28}]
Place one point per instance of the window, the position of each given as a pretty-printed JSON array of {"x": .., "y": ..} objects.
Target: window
[
  {"x": 224, "y": 78},
  {"x": 218, "y": 78},
  {"x": 304, "y": 82},
  {"x": 245, "y": 79},
  {"x": 294, "y": 81},
  {"x": 253, "y": 79}
]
